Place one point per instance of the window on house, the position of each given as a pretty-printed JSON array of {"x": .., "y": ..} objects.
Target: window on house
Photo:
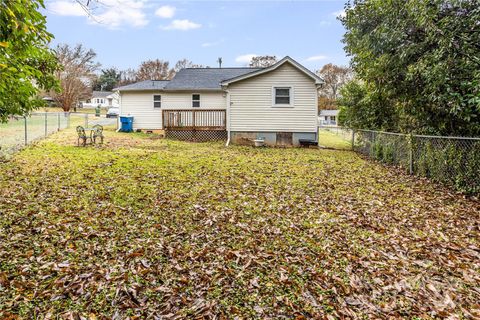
[
  {"x": 157, "y": 101},
  {"x": 195, "y": 100},
  {"x": 282, "y": 96},
  {"x": 332, "y": 118}
]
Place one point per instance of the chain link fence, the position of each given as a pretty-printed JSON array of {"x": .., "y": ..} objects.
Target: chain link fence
[
  {"x": 454, "y": 161},
  {"x": 333, "y": 137},
  {"x": 20, "y": 131}
]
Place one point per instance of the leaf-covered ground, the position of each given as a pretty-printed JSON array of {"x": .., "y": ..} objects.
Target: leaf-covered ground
[{"x": 151, "y": 228}]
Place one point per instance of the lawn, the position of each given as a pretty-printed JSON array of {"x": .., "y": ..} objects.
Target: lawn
[
  {"x": 12, "y": 133},
  {"x": 335, "y": 138},
  {"x": 150, "y": 228}
]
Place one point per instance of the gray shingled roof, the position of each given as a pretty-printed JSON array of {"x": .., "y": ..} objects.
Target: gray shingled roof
[
  {"x": 101, "y": 94},
  {"x": 191, "y": 79},
  {"x": 328, "y": 112},
  {"x": 144, "y": 85},
  {"x": 204, "y": 78}
]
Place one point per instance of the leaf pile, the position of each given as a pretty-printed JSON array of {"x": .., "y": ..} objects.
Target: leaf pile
[{"x": 149, "y": 228}]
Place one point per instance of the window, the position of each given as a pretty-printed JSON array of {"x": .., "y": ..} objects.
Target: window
[
  {"x": 157, "y": 101},
  {"x": 282, "y": 96},
  {"x": 195, "y": 100},
  {"x": 332, "y": 118}
]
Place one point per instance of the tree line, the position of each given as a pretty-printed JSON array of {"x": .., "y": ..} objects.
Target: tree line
[{"x": 77, "y": 75}]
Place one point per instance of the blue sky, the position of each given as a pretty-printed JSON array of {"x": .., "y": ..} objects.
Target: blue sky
[{"x": 124, "y": 33}]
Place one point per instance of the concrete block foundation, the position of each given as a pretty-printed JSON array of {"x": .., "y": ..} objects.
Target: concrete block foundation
[{"x": 286, "y": 139}]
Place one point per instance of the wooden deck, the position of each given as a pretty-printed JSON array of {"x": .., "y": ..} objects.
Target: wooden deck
[{"x": 194, "y": 120}]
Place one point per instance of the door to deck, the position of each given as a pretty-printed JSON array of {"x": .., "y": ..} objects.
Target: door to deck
[{"x": 195, "y": 125}]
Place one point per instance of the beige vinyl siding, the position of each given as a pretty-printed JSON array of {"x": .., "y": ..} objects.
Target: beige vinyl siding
[
  {"x": 183, "y": 100},
  {"x": 140, "y": 105},
  {"x": 252, "y": 107}
]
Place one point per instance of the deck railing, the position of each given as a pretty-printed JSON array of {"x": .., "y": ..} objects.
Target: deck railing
[{"x": 211, "y": 119}]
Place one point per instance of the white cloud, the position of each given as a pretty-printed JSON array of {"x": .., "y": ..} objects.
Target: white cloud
[
  {"x": 66, "y": 8},
  {"x": 339, "y": 13},
  {"x": 245, "y": 59},
  {"x": 316, "y": 58},
  {"x": 166, "y": 12},
  {"x": 183, "y": 25},
  {"x": 111, "y": 14}
]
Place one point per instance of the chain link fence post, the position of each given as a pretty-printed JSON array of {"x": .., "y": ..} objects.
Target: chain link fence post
[
  {"x": 410, "y": 153},
  {"x": 26, "y": 130},
  {"x": 86, "y": 120},
  {"x": 46, "y": 125},
  {"x": 353, "y": 139},
  {"x": 68, "y": 119},
  {"x": 58, "y": 121}
]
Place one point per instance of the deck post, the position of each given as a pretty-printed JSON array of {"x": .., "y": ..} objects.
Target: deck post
[{"x": 193, "y": 119}]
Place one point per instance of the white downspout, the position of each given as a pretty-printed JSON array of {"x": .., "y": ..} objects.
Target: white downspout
[
  {"x": 120, "y": 111},
  {"x": 228, "y": 118}
]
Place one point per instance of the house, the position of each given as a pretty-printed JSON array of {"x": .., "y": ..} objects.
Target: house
[
  {"x": 328, "y": 118},
  {"x": 277, "y": 104},
  {"x": 104, "y": 99}
]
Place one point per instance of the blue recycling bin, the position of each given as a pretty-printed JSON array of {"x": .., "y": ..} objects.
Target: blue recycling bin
[{"x": 127, "y": 124}]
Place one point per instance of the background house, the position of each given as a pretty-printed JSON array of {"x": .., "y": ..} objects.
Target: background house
[
  {"x": 277, "y": 103},
  {"x": 104, "y": 99},
  {"x": 328, "y": 118}
]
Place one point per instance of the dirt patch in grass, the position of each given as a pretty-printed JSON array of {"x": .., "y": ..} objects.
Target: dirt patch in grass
[{"x": 146, "y": 228}]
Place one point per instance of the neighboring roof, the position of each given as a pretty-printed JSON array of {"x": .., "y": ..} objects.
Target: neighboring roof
[
  {"x": 101, "y": 94},
  {"x": 309, "y": 73},
  {"x": 144, "y": 85},
  {"x": 205, "y": 78},
  {"x": 328, "y": 112}
]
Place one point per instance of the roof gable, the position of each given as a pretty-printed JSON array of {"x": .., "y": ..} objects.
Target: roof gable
[{"x": 275, "y": 66}]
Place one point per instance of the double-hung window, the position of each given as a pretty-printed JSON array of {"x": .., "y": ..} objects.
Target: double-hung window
[
  {"x": 282, "y": 96},
  {"x": 195, "y": 101},
  {"x": 157, "y": 101}
]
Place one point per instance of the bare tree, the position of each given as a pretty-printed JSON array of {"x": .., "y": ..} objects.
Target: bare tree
[
  {"x": 76, "y": 75},
  {"x": 335, "y": 77},
  {"x": 127, "y": 76},
  {"x": 262, "y": 61},
  {"x": 154, "y": 70},
  {"x": 185, "y": 63}
]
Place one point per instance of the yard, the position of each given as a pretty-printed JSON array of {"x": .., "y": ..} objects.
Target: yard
[{"x": 145, "y": 227}]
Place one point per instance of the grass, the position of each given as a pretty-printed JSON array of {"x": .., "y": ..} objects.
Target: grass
[
  {"x": 12, "y": 133},
  {"x": 145, "y": 227},
  {"x": 328, "y": 138}
]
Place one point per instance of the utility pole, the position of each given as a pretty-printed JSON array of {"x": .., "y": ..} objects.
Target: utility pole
[{"x": 219, "y": 62}]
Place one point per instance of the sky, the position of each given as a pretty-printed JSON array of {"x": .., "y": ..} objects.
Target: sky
[{"x": 124, "y": 33}]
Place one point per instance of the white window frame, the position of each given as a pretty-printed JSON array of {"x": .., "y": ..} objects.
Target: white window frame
[
  {"x": 153, "y": 100},
  {"x": 283, "y": 105},
  {"x": 199, "y": 100}
]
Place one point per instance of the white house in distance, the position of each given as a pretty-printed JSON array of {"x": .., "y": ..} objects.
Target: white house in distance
[
  {"x": 328, "y": 118},
  {"x": 104, "y": 99},
  {"x": 277, "y": 104}
]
